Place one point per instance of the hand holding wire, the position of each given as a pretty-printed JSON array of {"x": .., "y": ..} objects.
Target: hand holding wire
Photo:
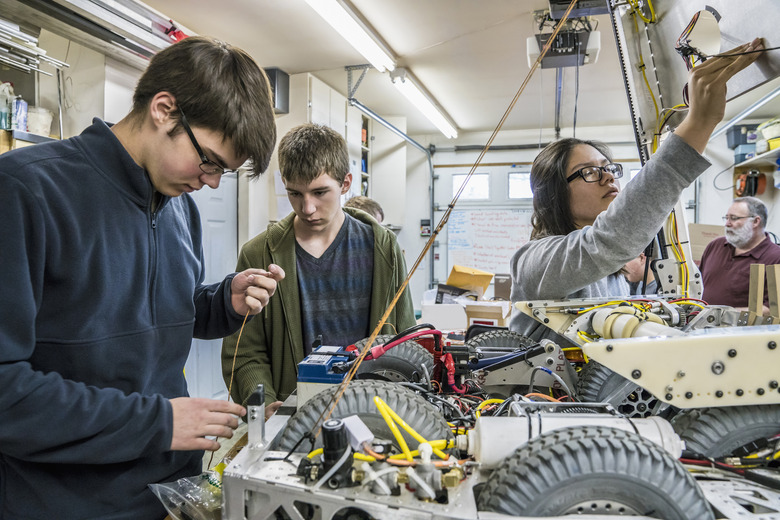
[
  {"x": 253, "y": 288},
  {"x": 707, "y": 92},
  {"x": 196, "y": 421}
]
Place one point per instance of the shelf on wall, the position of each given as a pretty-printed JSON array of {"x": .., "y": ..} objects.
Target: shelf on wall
[
  {"x": 13, "y": 139},
  {"x": 765, "y": 159}
]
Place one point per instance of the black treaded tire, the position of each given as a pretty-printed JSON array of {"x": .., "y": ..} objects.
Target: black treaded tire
[
  {"x": 358, "y": 399},
  {"x": 593, "y": 470},
  {"x": 402, "y": 363},
  {"x": 717, "y": 432},
  {"x": 596, "y": 382},
  {"x": 500, "y": 339}
]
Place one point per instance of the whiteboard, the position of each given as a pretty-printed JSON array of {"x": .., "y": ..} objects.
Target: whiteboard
[{"x": 486, "y": 238}]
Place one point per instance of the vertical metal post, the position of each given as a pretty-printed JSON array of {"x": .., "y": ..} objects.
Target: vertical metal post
[{"x": 255, "y": 410}]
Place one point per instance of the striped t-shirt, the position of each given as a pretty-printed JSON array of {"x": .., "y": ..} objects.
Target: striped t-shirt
[{"x": 335, "y": 289}]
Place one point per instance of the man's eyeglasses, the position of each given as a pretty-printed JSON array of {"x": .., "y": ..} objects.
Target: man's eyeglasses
[
  {"x": 595, "y": 173},
  {"x": 206, "y": 165},
  {"x": 732, "y": 218}
]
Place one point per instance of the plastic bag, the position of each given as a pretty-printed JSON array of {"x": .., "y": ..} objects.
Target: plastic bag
[{"x": 192, "y": 498}]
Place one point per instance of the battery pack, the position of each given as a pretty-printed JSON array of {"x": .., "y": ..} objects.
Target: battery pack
[{"x": 316, "y": 373}]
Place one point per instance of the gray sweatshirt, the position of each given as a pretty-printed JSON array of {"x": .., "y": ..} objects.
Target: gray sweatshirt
[{"x": 583, "y": 263}]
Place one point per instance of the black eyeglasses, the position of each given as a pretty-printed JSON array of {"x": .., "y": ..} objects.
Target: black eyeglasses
[
  {"x": 733, "y": 218},
  {"x": 595, "y": 173},
  {"x": 207, "y": 166}
]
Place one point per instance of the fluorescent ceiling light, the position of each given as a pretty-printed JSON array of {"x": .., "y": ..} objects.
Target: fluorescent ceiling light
[
  {"x": 354, "y": 31},
  {"x": 407, "y": 86}
]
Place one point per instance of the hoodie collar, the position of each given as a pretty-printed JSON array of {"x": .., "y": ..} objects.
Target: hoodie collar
[{"x": 109, "y": 157}]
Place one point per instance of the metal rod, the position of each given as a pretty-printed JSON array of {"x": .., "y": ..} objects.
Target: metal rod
[{"x": 379, "y": 119}]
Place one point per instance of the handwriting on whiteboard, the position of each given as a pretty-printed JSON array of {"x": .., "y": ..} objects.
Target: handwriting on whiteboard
[{"x": 486, "y": 238}]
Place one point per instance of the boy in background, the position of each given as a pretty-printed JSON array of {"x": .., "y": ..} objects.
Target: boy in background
[{"x": 342, "y": 271}]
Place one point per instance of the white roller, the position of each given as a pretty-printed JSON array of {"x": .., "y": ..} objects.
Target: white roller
[{"x": 493, "y": 439}]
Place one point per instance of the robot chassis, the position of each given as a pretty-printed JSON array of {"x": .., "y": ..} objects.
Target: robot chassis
[{"x": 692, "y": 359}]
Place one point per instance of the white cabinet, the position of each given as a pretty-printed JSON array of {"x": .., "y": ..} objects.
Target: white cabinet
[{"x": 387, "y": 180}]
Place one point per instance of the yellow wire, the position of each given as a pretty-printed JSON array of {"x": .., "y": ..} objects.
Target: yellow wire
[
  {"x": 437, "y": 444},
  {"x": 635, "y": 5},
  {"x": 641, "y": 66},
  {"x": 679, "y": 253},
  {"x": 411, "y": 431},
  {"x": 383, "y": 409},
  {"x": 666, "y": 113},
  {"x": 358, "y": 456},
  {"x": 639, "y": 306},
  {"x": 486, "y": 402},
  {"x": 364, "y": 457},
  {"x": 689, "y": 302}
]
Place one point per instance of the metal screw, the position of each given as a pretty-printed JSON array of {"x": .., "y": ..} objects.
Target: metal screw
[
  {"x": 550, "y": 361},
  {"x": 636, "y": 374},
  {"x": 732, "y": 352},
  {"x": 773, "y": 384},
  {"x": 688, "y": 395},
  {"x": 772, "y": 345},
  {"x": 669, "y": 397},
  {"x": 710, "y": 318},
  {"x": 760, "y": 391},
  {"x": 669, "y": 388},
  {"x": 680, "y": 374},
  {"x": 660, "y": 266},
  {"x": 718, "y": 367},
  {"x": 719, "y": 394},
  {"x": 739, "y": 392},
  {"x": 609, "y": 348}
]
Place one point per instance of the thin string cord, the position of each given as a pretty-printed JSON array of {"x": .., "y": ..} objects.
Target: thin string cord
[
  {"x": 235, "y": 354},
  {"x": 325, "y": 415},
  {"x": 233, "y": 369}
]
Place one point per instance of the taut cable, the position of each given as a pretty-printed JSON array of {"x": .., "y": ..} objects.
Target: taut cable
[{"x": 350, "y": 375}]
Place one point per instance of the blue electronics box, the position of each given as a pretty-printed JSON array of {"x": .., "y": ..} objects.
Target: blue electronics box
[{"x": 317, "y": 367}]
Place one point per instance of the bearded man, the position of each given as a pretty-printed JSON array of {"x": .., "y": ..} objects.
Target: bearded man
[{"x": 725, "y": 264}]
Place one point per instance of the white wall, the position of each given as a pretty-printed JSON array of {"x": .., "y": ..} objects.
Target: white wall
[
  {"x": 118, "y": 89},
  {"x": 418, "y": 185},
  {"x": 83, "y": 91}
]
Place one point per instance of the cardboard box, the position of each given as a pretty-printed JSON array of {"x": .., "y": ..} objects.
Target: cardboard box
[
  {"x": 741, "y": 134},
  {"x": 5, "y": 140},
  {"x": 700, "y": 235},
  {"x": 444, "y": 316},
  {"x": 470, "y": 279},
  {"x": 494, "y": 314}
]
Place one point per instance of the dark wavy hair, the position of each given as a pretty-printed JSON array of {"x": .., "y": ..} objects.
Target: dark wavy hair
[
  {"x": 220, "y": 88},
  {"x": 552, "y": 211}
]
